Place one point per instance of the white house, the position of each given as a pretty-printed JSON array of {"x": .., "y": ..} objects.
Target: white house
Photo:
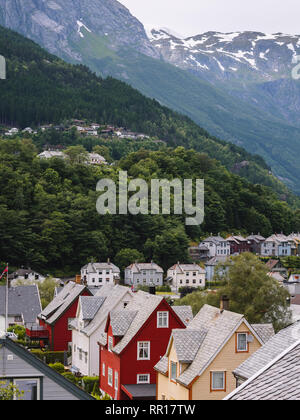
[
  {"x": 25, "y": 275},
  {"x": 217, "y": 246},
  {"x": 90, "y": 321},
  {"x": 96, "y": 159},
  {"x": 182, "y": 275},
  {"x": 48, "y": 154},
  {"x": 276, "y": 245},
  {"x": 100, "y": 273},
  {"x": 144, "y": 274}
]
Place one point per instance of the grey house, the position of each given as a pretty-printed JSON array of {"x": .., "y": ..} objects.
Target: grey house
[
  {"x": 34, "y": 377},
  {"x": 24, "y": 305},
  {"x": 145, "y": 274}
]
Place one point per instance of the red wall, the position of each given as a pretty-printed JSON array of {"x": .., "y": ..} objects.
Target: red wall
[
  {"x": 61, "y": 335},
  {"x": 127, "y": 364}
]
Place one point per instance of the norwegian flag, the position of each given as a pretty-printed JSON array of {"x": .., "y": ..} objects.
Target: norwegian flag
[{"x": 5, "y": 271}]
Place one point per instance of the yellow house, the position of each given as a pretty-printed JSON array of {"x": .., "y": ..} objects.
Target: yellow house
[{"x": 199, "y": 361}]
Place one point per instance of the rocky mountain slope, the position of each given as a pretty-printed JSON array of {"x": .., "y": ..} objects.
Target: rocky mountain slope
[
  {"x": 254, "y": 66},
  {"x": 59, "y": 25}
]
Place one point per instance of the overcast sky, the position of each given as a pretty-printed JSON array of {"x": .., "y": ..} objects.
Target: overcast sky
[{"x": 191, "y": 17}]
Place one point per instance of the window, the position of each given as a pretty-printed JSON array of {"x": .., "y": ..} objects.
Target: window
[
  {"x": 162, "y": 319},
  {"x": 116, "y": 381},
  {"x": 30, "y": 388},
  {"x": 173, "y": 371},
  {"x": 103, "y": 369},
  {"x": 85, "y": 357},
  {"x": 143, "y": 350},
  {"x": 218, "y": 381},
  {"x": 110, "y": 376},
  {"x": 110, "y": 343},
  {"x": 80, "y": 354},
  {"x": 100, "y": 280},
  {"x": 242, "y": 342},
  {"x": 143, "y": 378}
]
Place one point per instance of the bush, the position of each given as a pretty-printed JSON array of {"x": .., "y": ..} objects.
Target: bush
[
  {"x": 59, "y": 367},
  {"x": 72, "y": 378},
  {"x": 89, "y": 383},
  {"x": 19, "y": 330},
  {"x": 50, "y": 356},
  {"x": 165, "y": 288}
]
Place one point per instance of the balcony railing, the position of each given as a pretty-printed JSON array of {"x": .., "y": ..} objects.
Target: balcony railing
[{"x": 37, "y": 333}]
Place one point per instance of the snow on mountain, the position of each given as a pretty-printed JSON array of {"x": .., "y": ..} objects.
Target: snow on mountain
[{"x": 217, "y": 55}]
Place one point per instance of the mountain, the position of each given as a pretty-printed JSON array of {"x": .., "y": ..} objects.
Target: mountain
[
  {"x": 252, "y": 65},
  {"x": 42, "y": 88},
  {"x": 104, "y": 36}
]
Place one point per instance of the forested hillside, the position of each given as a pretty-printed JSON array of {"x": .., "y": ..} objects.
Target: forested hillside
[
  {"x": 41, "y": 88},
  {"x": 48, "y": 216}
]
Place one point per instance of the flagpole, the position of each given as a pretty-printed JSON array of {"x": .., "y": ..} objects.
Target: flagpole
[{"x": 6, "y": 302}]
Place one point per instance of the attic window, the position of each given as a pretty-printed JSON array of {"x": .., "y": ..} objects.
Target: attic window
[{"x": 242, "y": 342}]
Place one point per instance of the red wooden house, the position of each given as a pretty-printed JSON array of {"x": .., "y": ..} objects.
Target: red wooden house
[
  {"x": 135, "y": 339},
  {"x": 54, "y": 319},
  {"x": 238, "y": 245}
]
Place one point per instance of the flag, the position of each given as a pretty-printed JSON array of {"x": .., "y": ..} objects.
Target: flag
[{"x": 5, "y": 271}]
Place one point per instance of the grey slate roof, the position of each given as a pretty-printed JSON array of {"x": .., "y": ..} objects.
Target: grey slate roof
[
  {"x": 272, "y": 348},
  {"x": 143, "y": 304},
  {"x": 90, "y": 306},
  {"x": 61, "y": 302},
  {"x": 220, "y": 326},
  {"x": 94, "y": 267},
  {"x": 162, "y": 365},
  {"x": 187, "y": 343},
  {"x": 137, "y": 267},
  {"x": 112, "y": 294},
  {"x": 279, "y": 380},
  {"x": 120, "y": 321},
  {"x": 22, "y": 300},
  {"x": 184, "y": 312},
  {"x": 265, "y": 331}
]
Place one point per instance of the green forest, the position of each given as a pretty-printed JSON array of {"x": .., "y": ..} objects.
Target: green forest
[
  {"x": 41, "y": 88},
  {"x": 48, "y": 216}
]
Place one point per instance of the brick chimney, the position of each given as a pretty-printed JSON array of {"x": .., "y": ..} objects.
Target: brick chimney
[{"x": 224, "y": 303}]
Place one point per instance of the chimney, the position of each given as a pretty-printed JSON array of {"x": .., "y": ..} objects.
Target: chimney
[
  {"x": 108, "y": 261},
  {"x": 78, "y": 279},
  {"x": 224, "y": 303}
]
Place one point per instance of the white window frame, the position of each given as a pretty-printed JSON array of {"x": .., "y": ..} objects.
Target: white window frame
[
  {"x": 110, "y": 343},
  {"x": 103, "y": 369},
  {"x": 224, "y": 381},
  {"x": 138, "y": 378},
  {"x": 110, "y": 376},
  {"x": 140, "y": 346},
  {"x": 173, "y": 364},
  {"x": 237, "y": 343},
  {"x": 161, "y": 317},
  {"x": 116, "y": 380},
  {"x": 16, "y": 380}
]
